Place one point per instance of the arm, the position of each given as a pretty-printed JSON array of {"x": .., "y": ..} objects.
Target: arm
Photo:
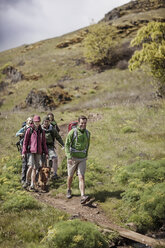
[
  {"x": 68, "y": 144},
  {"x": 26, "y": 141},
  {"x": 88, "y": 143},
  {"x": 58, "y": 137},
  {"x": 45, "y": 149}
]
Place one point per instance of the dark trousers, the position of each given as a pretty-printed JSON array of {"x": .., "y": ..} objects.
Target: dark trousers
[{"x": 24, "y": 167}]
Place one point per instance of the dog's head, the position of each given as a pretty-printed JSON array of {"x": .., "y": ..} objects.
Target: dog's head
[{"x": 46, "y": 172}]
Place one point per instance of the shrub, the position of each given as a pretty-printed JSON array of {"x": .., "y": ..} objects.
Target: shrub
[
  {"x": 145, "y": 192},
  {"x": 128, "y": 129},
  {"x": 98, "y": 44},
  {"x": 152, "y": 55},
  {"x": 74, "y": 234}
]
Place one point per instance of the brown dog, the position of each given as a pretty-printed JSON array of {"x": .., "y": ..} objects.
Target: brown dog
[{"x": 44, "y": 175}]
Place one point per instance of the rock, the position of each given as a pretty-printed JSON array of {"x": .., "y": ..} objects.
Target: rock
[
  {"x": 46, "y": 100},
  {"x": 39, "y": 98},
  {"x": 13, "y": 74}
]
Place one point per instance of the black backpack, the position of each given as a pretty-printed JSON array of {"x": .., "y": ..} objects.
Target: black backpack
[{"x": 19, "y": 143}]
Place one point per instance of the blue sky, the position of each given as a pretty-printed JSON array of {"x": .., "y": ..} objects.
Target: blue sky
[{"x": 28, "y": 21}]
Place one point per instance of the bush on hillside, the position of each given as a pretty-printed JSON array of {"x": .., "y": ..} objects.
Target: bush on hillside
[
  {"x": 74, "y": 234},
  {"x": 151, "y": 57},
  {"x": 145, "y": 192},
  {"x": 98, "y": 44}
]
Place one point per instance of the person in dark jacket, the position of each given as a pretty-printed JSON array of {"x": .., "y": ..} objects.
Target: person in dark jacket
[
  {"x": 34, "y": 144},
  {"x": 53, "y": 122},
  {"x": 51, "y": 136}
]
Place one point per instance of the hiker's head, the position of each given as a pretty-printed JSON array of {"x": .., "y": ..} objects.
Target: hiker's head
[
  {"x": 51, "y": 116},
  {"x": 36, "y": 120},
  {"x": 82, "y": 122},
  {"x": 46, "y": 122},
  {"x": 29, "y": 120}
]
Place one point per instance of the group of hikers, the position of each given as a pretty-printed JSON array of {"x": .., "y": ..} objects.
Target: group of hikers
[{"x": 37, "y": 148}]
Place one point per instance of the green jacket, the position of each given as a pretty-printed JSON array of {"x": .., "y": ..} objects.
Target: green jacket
[
  {"x": 51, "y": 134},
  {"x": 77, "y": 143}
]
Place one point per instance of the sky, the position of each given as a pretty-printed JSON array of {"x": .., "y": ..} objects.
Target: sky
[{"x": 29, "y": 21}]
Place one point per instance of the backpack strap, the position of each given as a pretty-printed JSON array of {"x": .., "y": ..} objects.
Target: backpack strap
[{"x": 75, "y": 136}]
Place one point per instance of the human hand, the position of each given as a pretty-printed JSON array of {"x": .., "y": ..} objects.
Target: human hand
[
  {"x": 70, "y": 161},
  {"x": 23, "y": 155}
]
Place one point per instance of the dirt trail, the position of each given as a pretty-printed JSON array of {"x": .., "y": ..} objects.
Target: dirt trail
[
  {"x": 89, "y": 211},
  {"x": 93, "y": 213}
]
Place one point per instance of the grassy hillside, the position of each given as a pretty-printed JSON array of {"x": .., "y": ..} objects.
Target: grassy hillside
[{"x": 125, "y": 119}]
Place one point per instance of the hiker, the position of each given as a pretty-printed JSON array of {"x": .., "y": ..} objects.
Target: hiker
[
  {"x": 76, "y": 150},
  {"x": 35, "y": 144},
  {"x": 21, "y": 134},
  {"x": 51, "y": 135},
  {"x": 53, "y": 122}
]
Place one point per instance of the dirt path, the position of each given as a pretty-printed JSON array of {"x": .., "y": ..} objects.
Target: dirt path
[
  {"x": 93, "y": 213},
  {"x": 89, "y": 211}
]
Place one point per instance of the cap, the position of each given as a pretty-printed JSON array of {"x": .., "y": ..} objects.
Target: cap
[{"x": 36, "y": 118}]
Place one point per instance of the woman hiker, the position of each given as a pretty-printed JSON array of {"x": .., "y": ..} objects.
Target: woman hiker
[{"x": 34, "y": 144}]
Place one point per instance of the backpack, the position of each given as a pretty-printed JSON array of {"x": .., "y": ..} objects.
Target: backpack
[
  {"x": 72, "y": 125},
  {"x": 19, "y": 143}
]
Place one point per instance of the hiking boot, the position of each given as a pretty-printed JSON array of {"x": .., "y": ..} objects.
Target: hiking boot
[
  {"x": 69, "y": 194},
  {"x": 25, "y": 185},
  {"x": 32, "y": 189},
  {"x": 84, "y": 199}
]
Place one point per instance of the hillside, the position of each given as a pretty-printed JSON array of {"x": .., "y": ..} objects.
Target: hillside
[
  {"x": 135, "y": 14},
  {"x": 125, "y": 118}
]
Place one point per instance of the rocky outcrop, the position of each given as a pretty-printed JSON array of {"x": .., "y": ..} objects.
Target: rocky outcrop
[
  {"x": 13, "y": 74},
  {"x": 76, "y": 39},
  {"x": 129, "y": 18},
  {"x": 45, "y": 99},
  {"x": 134, "y": 7}
]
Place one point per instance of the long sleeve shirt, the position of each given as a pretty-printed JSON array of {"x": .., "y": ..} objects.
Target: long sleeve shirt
[
  {"x": 77, "y": 143},
  {"x": 51, "y": 135}
]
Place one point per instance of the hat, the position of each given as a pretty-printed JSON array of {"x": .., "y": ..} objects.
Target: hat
[{"x": 36, "y": 118}]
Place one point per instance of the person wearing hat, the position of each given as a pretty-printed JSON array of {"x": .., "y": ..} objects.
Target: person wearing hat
[
  {"x": 51, "y": 135},
  {"x": 35, "y": 144}
]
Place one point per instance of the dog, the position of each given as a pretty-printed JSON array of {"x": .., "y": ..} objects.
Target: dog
[{"x": 44, "y": 175}]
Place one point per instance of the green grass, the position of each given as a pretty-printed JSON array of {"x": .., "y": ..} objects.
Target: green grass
[{"x": 23, "y": 219}]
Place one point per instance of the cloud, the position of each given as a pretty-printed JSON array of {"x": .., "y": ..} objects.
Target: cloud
[{"x": 28, "y": 21}]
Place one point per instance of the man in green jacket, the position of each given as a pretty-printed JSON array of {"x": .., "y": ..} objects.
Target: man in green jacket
[{"x": 76, "y": 150}]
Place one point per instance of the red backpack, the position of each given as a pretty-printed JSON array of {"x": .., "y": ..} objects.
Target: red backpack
[{"x": 72, "y": 125}]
